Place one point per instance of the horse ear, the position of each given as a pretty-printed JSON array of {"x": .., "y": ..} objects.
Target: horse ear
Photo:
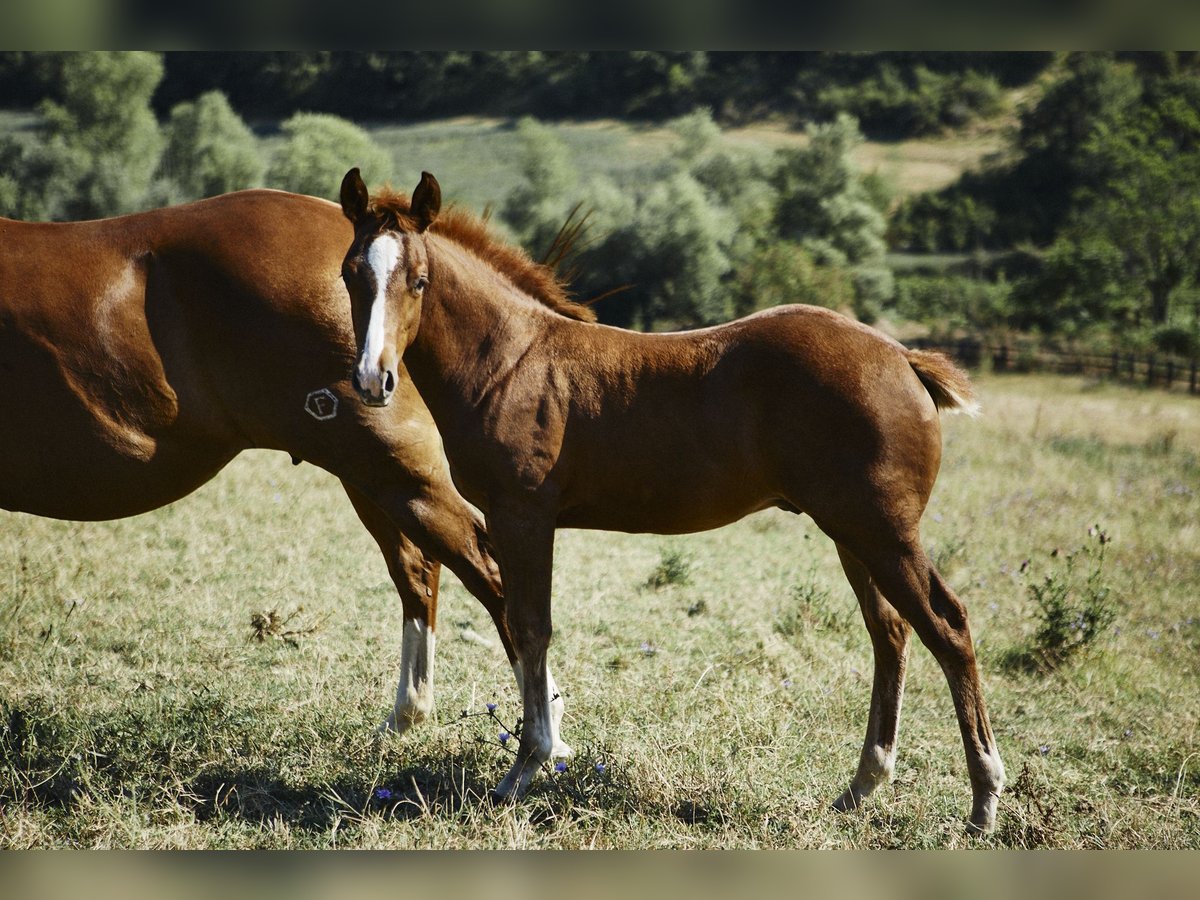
[
  {"x": 354, "y": 195},
  {"x": 426, "y": 201}
]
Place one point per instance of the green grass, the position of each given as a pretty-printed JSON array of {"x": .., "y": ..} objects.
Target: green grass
[{"x": 137, "y": 709}]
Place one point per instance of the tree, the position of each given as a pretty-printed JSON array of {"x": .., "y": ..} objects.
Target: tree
[
  {"x": 318, "y": 151},
  {"x": 105, "y": 113},
  {"x": 685, "y": 237},
  {"x": 784, "y": 272},
  {"x": 825, "y": 206},
  {"x": 537, "y": 207},
  {"x": 210, "y": 150},
  {"x": 99, "y": 142},
  {"x": 1140, "y": 209},
  {"x": 667, "y": 238},
  {"x": 1031, "y": 198}
]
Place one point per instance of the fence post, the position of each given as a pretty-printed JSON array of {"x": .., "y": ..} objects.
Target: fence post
[
  {"x": 1116, "y": 364},
  {"x": 1192, "y": 380},
  {"x": 1170, "y": 372},
  {"x": 1150, "y": 370}
]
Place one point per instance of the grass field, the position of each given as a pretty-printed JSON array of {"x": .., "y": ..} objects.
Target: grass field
[
  {"x": 725, "y": 707},
  {"x": 479, "y": 160}
]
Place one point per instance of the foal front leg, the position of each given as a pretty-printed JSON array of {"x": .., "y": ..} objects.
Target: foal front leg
[{"x": 524, "y": 542}]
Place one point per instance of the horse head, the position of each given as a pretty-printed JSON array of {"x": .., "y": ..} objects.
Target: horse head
[{"x": 386, "y": 272}]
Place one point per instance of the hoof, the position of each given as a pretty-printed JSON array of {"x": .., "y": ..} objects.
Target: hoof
[
  {"x": 397, "y": 725},
  {"x": 561, "y": 751},
  {"x": 983, "y": 817},
  {"x": 848, "y": 802}
]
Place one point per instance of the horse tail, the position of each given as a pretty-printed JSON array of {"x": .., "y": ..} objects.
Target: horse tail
[{"x": 947, "y": 384}]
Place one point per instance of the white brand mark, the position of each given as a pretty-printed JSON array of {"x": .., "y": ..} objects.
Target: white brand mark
[{"x": 321, "y": 405}]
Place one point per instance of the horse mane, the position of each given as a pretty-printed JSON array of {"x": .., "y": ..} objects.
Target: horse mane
[{"x": 470, "y": 231}]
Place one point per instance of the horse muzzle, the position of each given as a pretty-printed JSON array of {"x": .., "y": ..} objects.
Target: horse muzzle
[{"x": 374, "y": 389}]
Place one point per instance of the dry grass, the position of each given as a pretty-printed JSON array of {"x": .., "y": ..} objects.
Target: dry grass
[
  {"x": 726, "y": 709},
  {"x": 480, "y": 159}
]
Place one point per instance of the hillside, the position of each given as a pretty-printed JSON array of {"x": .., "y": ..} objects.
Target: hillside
[{"x": 477, "y": 159}]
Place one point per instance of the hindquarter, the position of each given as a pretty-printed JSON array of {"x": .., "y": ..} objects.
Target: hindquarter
[{"x": 847, "y": 429}]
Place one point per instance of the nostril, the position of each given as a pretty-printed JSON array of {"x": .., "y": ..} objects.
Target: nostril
[{"x": 389, "y": 382}]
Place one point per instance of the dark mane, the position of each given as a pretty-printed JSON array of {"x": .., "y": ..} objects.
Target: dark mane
[{"x": 468, "y": 230}]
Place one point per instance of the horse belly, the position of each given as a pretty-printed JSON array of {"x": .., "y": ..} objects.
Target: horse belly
[
  {"x": 673, "y": 500},
  {"x": 66, "y": 455}
]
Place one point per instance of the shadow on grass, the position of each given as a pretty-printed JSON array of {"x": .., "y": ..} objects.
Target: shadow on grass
[
  {"x": 260, "y": 795},
  {"x": 57, "y": 757},
  {"x": 450, "y": 787}
]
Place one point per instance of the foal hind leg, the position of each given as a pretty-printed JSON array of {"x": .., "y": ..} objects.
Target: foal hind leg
[
  {"x": 889, "y": 639},
  {"x": 915, "y": 588}
]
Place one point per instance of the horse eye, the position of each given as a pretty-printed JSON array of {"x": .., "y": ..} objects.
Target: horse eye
[{"x": 421, "y": 283}]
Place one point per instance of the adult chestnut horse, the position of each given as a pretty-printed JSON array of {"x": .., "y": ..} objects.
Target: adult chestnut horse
[
  {"x": 139, "y": 355},
  {"x": 550, "y": 420}
]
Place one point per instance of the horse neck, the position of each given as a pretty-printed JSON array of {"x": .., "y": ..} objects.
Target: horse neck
[{"x": 475, "y": 327}]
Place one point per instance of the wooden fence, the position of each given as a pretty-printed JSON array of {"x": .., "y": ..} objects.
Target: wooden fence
[{"x": 1154, "y": 370}]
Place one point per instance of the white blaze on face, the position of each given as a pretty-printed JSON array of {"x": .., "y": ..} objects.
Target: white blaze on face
[{"x": 383, "y": 256}]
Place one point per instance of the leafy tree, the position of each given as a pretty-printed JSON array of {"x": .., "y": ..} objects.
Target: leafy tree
[
  {"x": 1133, "y": 239},
  {"x": 954, "y": 303},
  {"x": 318, "y": 151},
  {"x": 685, "y": 238},
  {"x": 1081, "y": 286},
  {"x": 784, "y": 272},
  {"x": 668, "y": 238},
  {"x": 104, "y": 121},
  {"x": 898, "y": 101},
  {"x": 664, "y": 242},
  {"x": 825, "y": 206},
  {"x": 210, "y": 150},
  {"x": 1148, "y": 200},
  {"x": 98, "y": 145},
  {"x": 1055, "y": 135},
  {"x": 1031, "y": 198},
  {"x": 537, "y": 207}
]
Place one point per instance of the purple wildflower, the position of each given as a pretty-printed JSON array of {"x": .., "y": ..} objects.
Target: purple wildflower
[
  {"x": 383, "y": 794},
  {"x": 504, "y": 735},
  {"x": 491, "y": 707},
  {"x": 560, "y": 767},
  {"x": 1044, "y": 749},
  {"x": 600, "y": 767}
]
